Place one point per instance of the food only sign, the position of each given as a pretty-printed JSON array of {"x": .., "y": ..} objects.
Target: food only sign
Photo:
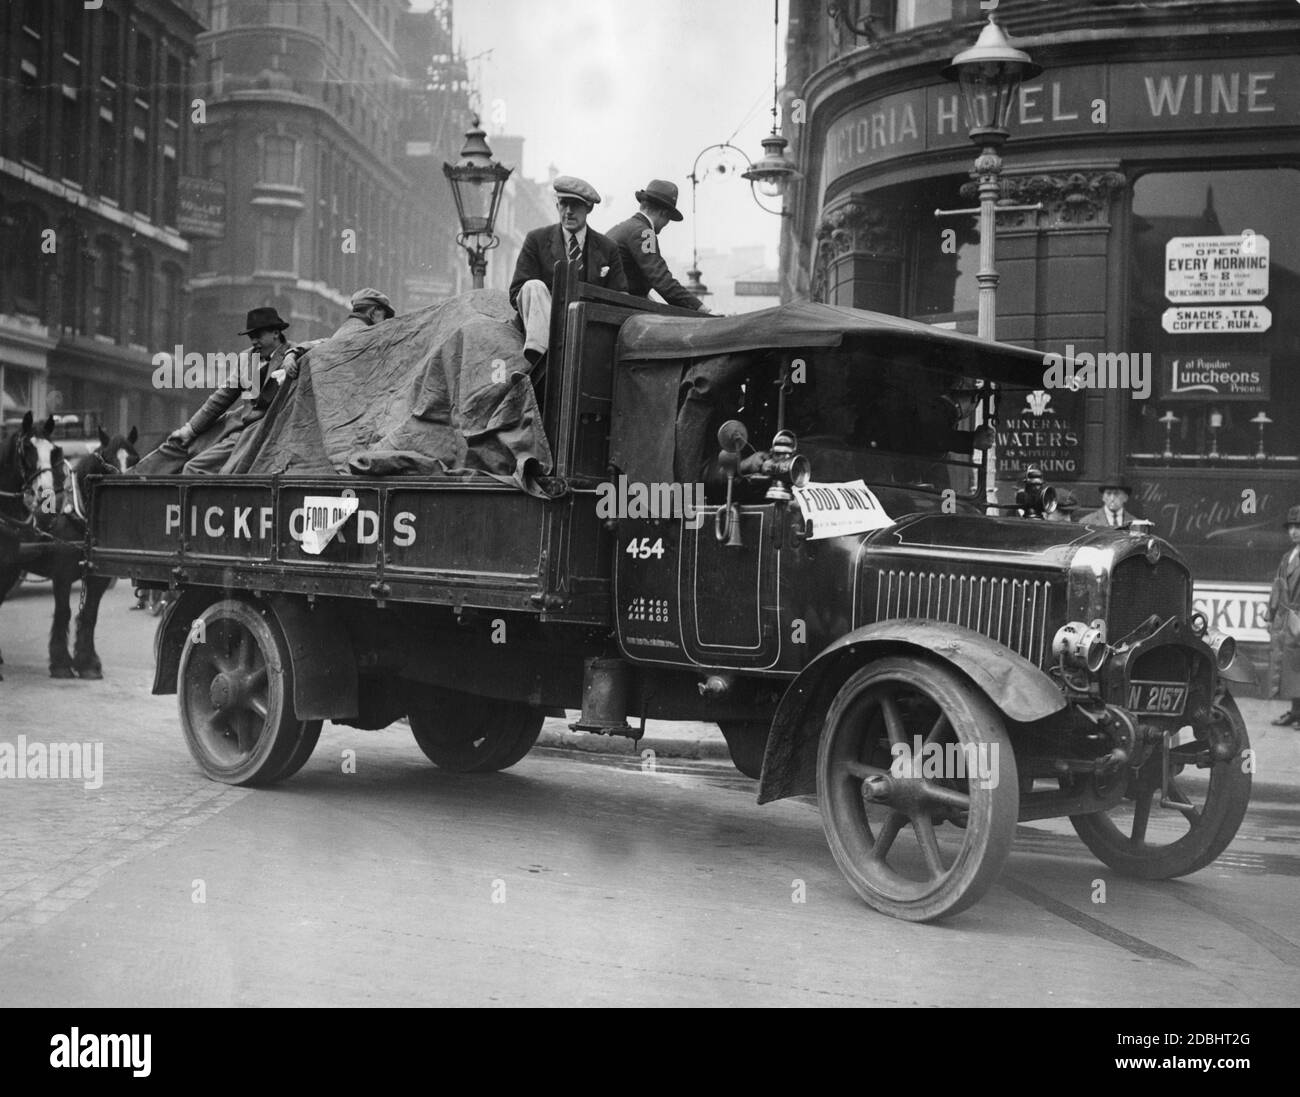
[{"x": 1216, "y": 268}]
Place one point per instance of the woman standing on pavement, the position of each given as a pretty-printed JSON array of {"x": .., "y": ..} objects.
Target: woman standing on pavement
[{"x": 1284, "y": 627}]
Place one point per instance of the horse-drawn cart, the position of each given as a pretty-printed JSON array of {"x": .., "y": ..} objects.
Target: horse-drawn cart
[{"x": 836, "y": 601}]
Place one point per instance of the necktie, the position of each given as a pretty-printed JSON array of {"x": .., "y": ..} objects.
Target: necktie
[{"x": 575, "y": 250}]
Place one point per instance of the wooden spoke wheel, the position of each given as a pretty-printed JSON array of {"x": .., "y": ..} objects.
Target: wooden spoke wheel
[
  {"x": 884, "y": 812},
  {"x": 467, "y": 734},
  {"x": 235, "y": 689},
  {"x": 1209, "y": 790}
]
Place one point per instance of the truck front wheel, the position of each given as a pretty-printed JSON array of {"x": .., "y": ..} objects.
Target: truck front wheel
[
  {"x": 909, "y": 745},
  {"x": 235, "y": 691},
  {"x": 467, "y": 734}
]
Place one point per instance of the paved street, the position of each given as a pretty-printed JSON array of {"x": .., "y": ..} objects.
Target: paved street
[{"x": 571, "y": 879}]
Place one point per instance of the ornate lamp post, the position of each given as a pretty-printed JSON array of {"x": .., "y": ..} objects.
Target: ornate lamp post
[
  {"x": 476, "y": 184},
  {"x": 989, "y": 75}
]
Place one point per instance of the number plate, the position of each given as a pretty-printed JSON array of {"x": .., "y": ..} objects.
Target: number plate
[{"x": 1157, "y": 698}]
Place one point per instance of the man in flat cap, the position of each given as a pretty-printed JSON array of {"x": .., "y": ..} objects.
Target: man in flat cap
[
  {"x": 638, "y": 243},
  {"x": 369, "y": 306},
  {"x": 1113, "y": 511},
  {"x": 266, "y": 330},
  {"x": 597, "y": 257}
]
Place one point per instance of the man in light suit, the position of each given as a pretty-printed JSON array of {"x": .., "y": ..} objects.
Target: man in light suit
[
  {"x": 1113, "y": 512},
  {"x": 638, "y": 243},
  {"x": 597, "y": 257}
]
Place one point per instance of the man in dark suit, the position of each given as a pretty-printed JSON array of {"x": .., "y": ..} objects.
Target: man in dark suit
[
  {"x": 278, "y": 366},
  {"x": 1114, "y": 509},
  {"x": 638, "y": 243},
  {"x": 596, "y": 255}
]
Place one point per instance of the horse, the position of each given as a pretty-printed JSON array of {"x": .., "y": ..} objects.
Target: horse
[{"x": 41, "y": 507}]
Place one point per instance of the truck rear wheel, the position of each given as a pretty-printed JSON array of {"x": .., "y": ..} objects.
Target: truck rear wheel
[
  {"x": 466, "y": 734},
  {"x": 1212, "y": 785},
  {"x": 235, "y": 691},
  {"x": 881, "y": 814}
]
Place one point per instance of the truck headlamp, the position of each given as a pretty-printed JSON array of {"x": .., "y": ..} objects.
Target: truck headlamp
[
  {"x": 1223, "y": 646},
  {"x": 1081, "y": 645}
]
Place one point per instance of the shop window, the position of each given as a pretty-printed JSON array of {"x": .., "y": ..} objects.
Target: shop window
[
  {"x": 279, "y": 161},
  {"x": 918, "y": 13},
  {"x": 1220, "y": 317},
  {"x": 15, "y": 393},
  {"x": 943, "y": 255}
]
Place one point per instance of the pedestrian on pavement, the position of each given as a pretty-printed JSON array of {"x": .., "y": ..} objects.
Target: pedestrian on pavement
[
  {"x": 597, "y": 258},
  {"x": 1284, "y": 626},
  {"x": 1114, "y": 509},
  {"x": 638, "y": 243},
  {"x": 369, "y": 307},
  {"x": 266, "y": 330}
]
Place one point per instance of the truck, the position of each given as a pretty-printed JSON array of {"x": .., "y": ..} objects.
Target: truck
[{"x": 775, "y": 522}]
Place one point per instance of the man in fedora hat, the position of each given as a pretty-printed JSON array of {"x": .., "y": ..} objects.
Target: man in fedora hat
[
  {"x": 638, "y": 244},
  {"x": 1113, "y": 512},
  {"x": 265, "y": 329},
  {"x": 597, "y": 258},
  {"x": 1284, "y": 626},
  {"x": 369, "y": 306}
]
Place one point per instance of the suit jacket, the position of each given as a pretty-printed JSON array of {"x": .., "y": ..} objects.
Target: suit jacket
[
  {"x": 220, "y": 401},
  {"x": 645, "y": 267},
  {"x": 544, "y": 247},
  {"x": 1098, "y": 518}
]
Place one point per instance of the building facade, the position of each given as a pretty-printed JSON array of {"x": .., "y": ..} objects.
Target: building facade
[
  {"x": 1163, "y": 141},
  {"x": 327, "y": 125},
  {"x": 95, "y": 107}
]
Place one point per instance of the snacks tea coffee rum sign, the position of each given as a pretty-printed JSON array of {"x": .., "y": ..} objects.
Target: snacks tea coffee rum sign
[{"x": 1216, "y": 268}]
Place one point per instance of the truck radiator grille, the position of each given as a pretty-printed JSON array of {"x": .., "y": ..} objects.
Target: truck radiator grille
[
  {"x": 1137, "y": 590},
  {"x": 1014, "y": 612}
]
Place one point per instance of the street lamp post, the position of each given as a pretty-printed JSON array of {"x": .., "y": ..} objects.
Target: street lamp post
[
  {"x": 476, "y": 184},
  {"x": 989, "y": 75}
]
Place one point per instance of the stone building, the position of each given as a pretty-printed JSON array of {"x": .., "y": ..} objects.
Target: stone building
[
  {"x": 95, "y": 106},
  {"x": 1161, "y": 133}
]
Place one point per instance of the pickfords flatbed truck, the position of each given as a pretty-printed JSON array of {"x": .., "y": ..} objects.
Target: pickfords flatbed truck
[{"x": 841, "y": 606}]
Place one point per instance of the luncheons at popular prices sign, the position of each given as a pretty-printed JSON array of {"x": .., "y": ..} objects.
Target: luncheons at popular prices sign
[
  {"x": 1223, "y": 376},
  {"x": 1216, "y": 268}
]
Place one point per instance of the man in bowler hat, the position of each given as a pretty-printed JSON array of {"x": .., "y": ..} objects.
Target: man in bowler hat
[
  {"x": 266, "y": 330},
  {"x": 638, "y": 244},
  {"x": 597, "y": 258},
  {"x": 1284, "y": 626},
  {"x": 1114, "y": 509}
]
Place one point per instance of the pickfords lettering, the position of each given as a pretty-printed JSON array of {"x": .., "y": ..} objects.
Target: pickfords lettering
[{"x": 239, "y": 523}]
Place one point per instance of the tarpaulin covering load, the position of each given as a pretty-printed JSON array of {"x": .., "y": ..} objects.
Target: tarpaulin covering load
[{"x": 444, "y": 389}]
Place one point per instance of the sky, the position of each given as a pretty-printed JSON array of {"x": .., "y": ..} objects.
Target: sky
[{"x": 618, "y": 93}]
